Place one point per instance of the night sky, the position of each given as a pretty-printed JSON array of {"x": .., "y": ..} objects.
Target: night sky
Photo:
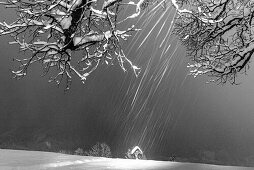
[{"x": 163, "y": 111}]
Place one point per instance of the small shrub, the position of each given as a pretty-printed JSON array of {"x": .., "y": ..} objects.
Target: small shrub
[
  {"x": 99, "y": 150},
  {"x": 172, "y": 158},
  {"x": 79, "y": 151},
  {"x": 65, "y": 152}
]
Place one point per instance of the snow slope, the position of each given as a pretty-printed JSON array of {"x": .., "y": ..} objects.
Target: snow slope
[{"x": 35, "y": 160}]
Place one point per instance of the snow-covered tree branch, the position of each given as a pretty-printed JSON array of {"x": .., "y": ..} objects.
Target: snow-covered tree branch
[
  {"x": 53, "y": 29},
  {"x": 218, "y": 35}
]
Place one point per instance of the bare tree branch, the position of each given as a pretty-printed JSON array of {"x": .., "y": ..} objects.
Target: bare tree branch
[
  {"x": 53, "y": 29},
  {"x": 218, "y": 35}
]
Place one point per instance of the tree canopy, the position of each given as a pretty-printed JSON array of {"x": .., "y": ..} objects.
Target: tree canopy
[
  {"x": 218, "y": 35},
  {"x": 53, "y": 29}
]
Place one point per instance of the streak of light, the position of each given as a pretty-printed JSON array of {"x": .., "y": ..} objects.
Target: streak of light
[
  {"x": 142, "y": 107},
  {"x": 166, "y": 63},
  {"x": 185, "y": 77},
  {"x": 153, "y": 28},
  {"x": 159, "y": 32},
  {"x": 142, "y": 138},
  {"x": 144, "y": 25},
  {"x": 145, "y": 115},
  {"x": 158, "y": 5},
  {"x": 169, "y": 30},
  {"x": 145, "y": 73}
]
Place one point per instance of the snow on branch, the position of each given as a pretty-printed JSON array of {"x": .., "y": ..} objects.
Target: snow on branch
[
  {"x": 218, "y": 36},
  {"x": 51, "y": 30}
]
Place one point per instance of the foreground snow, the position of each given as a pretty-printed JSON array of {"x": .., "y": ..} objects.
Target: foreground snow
[{"x": 35, "y": 160}]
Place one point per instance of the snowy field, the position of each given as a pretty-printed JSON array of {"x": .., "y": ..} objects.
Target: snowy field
[{"x": 34, "y": 160}]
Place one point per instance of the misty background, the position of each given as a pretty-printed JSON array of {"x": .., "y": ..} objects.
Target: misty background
[{"x": 169, "y": 115}]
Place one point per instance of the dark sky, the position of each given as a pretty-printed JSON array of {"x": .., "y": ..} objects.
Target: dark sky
[{"x": 162, "y": 110}]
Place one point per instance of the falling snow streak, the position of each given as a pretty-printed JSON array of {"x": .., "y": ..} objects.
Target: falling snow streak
[
  {"x": 144, "y": 93},
  {"x": 156, "y": 24},
  {"x": 137, "y": 36},
  {"x": 145, "y": 114}
]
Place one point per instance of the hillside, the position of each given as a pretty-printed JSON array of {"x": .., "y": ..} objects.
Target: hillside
[{"x": 31, "y": 160}]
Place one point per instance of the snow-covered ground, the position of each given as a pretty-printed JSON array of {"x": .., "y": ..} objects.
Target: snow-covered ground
[{"x": 35, "y": 160}]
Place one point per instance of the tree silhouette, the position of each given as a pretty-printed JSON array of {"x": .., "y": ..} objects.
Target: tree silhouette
[{"x": 218, "y": 35}]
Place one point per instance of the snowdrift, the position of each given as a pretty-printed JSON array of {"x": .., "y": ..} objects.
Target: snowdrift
[{"x": 35, "y": 160}]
